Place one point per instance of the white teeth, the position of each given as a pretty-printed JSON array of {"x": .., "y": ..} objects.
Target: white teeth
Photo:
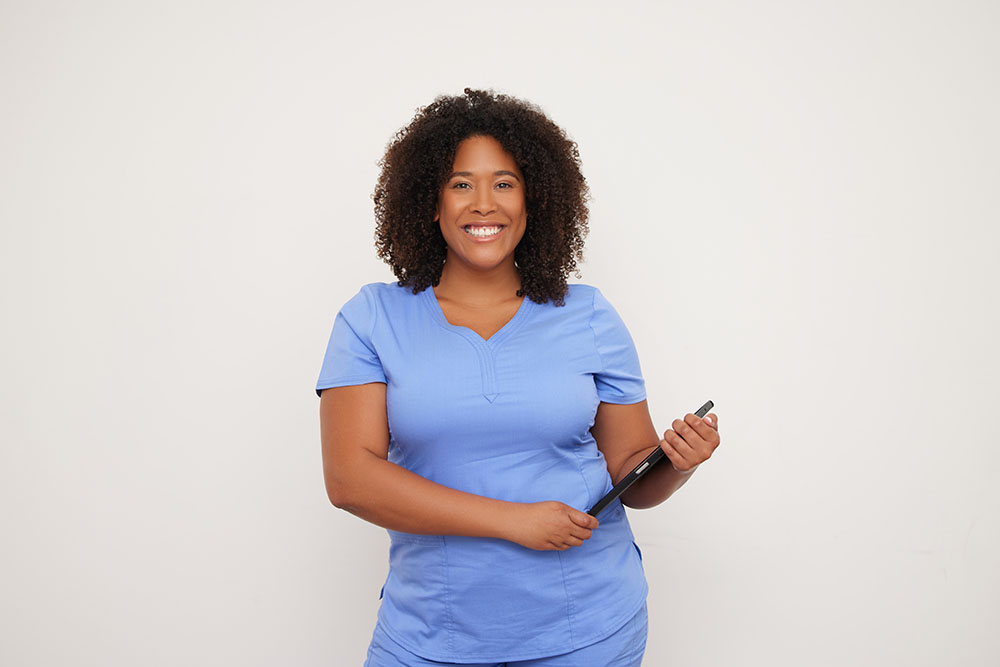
[{"x": 483, "y": 231}]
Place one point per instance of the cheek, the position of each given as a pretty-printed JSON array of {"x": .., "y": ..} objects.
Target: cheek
[
  {"x": 519, "y": 236},
  {"x": 450, "y": 208}
]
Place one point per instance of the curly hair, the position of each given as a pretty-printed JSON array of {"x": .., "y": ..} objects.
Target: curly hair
[{"x": 419, "y": 158}]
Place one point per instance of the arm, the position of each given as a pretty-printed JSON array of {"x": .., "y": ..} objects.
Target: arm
[
  {"x": 359, "y": 479},
  {"x": 625, "y": 435}
]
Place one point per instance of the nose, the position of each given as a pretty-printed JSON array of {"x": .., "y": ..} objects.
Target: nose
[{"x": 484, "y": 203}]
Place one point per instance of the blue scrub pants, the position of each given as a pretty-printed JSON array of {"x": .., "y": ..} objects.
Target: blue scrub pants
[{"x": 622, "y": 649}]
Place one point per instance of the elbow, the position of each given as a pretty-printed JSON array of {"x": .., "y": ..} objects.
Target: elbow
[
  {"x": 336, "y": 478},
  {"x": 342, "y": 496},
  {"x": 348, "y": 482},
  {"x": 338, "y": 495},
  {"x": 336, "y": 490}
]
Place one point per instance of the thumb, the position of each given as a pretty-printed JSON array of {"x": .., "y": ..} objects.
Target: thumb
[{"x": 583, "y": 519}]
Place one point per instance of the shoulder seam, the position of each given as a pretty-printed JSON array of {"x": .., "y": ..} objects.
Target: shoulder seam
[
  {"x": 373, "y": 303},
  {"x": 590, "y": 323}
]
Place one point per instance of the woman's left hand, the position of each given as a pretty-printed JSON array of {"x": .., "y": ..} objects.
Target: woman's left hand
[{"x": 691, "y": 441}]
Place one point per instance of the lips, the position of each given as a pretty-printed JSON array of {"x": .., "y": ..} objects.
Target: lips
[
  {"x": 483, "y": 224},
  {"x": 484, "y": 232}
]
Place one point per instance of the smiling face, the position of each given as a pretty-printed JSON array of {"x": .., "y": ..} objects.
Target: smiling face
[{"x": 481, "y": 207}]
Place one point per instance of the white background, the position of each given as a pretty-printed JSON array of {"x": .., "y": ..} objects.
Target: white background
[{"x": 794, "y": 211}]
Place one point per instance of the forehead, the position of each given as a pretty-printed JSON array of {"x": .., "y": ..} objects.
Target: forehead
[{"x": 483, "y": 153}]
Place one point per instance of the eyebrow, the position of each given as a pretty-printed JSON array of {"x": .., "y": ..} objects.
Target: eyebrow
[{"x": 501, "y": 172}]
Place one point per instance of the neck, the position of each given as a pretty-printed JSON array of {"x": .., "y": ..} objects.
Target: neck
[{"x": 467, "y": 286}]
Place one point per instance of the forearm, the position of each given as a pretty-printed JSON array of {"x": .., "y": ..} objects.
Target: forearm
[
  {"x": 655, "y": 486},
  {"x": 390, "y": 496}
]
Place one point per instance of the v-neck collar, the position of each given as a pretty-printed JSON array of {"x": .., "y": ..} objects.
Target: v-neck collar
[{"x": 498, "y": 337}]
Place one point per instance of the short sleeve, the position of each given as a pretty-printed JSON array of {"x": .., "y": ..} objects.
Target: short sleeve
[
  {"x": 620, "y": 379},
  {"x": 350, "y": 356}
]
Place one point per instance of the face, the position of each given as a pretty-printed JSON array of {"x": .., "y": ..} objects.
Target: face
[{"x": 481, "y": 207}]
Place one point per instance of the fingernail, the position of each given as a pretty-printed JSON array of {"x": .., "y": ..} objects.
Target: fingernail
[{"x": 709, "y": 420}]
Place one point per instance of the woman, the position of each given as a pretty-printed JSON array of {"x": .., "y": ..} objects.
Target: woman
[{"x": 478, "y": 406}]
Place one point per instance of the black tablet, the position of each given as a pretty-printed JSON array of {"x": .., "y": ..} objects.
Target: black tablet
[{"x": 647, "y": 463}]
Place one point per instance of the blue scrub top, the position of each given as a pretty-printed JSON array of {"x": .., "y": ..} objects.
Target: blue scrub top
[{"x": 506, "y": 418}]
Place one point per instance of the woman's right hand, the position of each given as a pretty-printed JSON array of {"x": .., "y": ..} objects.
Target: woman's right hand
[{"x": 551, "y": 526}]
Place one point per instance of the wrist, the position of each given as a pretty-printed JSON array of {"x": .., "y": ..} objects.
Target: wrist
[{"x": 508, "y": 520}]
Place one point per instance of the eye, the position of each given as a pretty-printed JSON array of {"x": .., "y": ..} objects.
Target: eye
[
  {"x": 507, "y": 185},
  {"x": 459, "y": 184}
]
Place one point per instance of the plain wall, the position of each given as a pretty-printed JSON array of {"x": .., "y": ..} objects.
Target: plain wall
[{"x": 794, "y": 210}]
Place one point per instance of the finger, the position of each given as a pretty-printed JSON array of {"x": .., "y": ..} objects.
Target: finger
[
  {"x": 713, "y": 420},
  {"x": 574, "y": 541},
  {"x": 583, "y": 519},
  {"x": 581, "y": 534},
  {"x": 702, "y": 438},
  {"x": 702, "y": 448},
  {"x": 669, "y": 446},
  {"x": 708, "y": 434},
  {"x": 689, "y": 440}
]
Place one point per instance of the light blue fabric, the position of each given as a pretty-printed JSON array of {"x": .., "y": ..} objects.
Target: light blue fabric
[
  {"x": 624, "y": 648},
  {"x": 506, "y": 418}
]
